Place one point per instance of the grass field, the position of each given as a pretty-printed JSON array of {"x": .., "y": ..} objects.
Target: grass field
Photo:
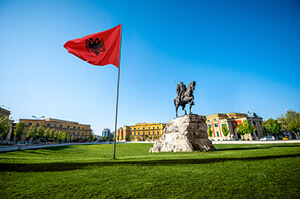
[{"x": 88, "y": 171}]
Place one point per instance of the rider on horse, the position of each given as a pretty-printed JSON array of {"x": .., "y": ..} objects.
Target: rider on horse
[
  {"x": 184, "y": 96},
  {"x": 181, "y": 88}
]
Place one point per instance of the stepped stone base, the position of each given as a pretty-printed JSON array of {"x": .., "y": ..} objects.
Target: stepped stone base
[{"x": 184, "y": 134}]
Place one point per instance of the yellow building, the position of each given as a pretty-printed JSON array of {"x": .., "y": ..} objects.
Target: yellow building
[
  {"x": 231, "y": 120},
  {"x": 4, "y": 113},
  {"x": 82, "y": 131},
  {"x": 140, "y": 132}
]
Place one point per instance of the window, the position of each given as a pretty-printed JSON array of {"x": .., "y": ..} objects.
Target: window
[
  {"x": 157, "y": 127},
  {"x": 54, "y": 125},
  {"x": 83, "y": 128},
  {"x": 148, "y": 127},
  {"x": 68, "y": 126},
  {"x": 82, "y": 133},
  {"x": 60, "y": 126},
  {"x": 216, "y": 125},
  {"x": 218, "y": 134},
  {"x": 134, "y": 128},
  {"x": 153, "y": 127},
  {"x": 143, "y": 127},
  {"x": 30, "y": 124},
  {"x": 232, "y": 117},
  {"x": 74, "y": 127},
  {"x": 79, "y": 127},
  {"x": 48, "y": 124},
  {"x": 208, "y": 120},
  {"x": 215, "y": 119},
  {"x": 38, "y": 124}
]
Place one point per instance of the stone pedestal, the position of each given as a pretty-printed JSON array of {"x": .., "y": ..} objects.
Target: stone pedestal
[{"x": 184, "y": 134}]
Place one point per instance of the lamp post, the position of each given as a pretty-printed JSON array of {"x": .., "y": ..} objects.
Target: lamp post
[{"x": 250, "y": 113}]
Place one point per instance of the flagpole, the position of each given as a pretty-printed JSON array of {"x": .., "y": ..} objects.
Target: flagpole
[{"x": 116, "y": 118}]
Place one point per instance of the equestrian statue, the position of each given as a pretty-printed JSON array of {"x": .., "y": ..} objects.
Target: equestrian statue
[{"x": 184, "y": 96}]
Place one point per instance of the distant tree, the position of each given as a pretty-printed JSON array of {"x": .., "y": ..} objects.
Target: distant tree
[
  {"x": 245, "y": 128},
  {"x": 225, "y": 130},
  {"x": 273, "y": 126},
  {"x": 59, "y": 136},
  {"x": 131, "y": 137},
  {"x": 39, "y": 133},
  {"x": 52, "y": 134},
  {"x": 31, "y": 132},
  {"x": 255, "y": 115},
  {"x": 18, "y": 130},
  {"x": 79, "y": 137},
  {"x": 110, "y": 137},
  {"x": 47, "y": 134},
  {"x": 122, "y": 138},
  {"x": 209, "y": 131},
  {"x": 4, "y": 127},
  {"x": 117, "y": 137},
  {"x": 68, "y": 138},
  {"x": 291, "y": 121},
  {"x": 144, "y": 138},
  {"x": 94, "y": 138},
  {"x": 55, "y": 136},
  {"x": 72, "y": 138},
  {"x": 63, "y": 136}
]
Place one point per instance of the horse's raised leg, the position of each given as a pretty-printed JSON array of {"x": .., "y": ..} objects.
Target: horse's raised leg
[
  {"x": 184, "y": 109},
  {"x": 176, "y": 111}
]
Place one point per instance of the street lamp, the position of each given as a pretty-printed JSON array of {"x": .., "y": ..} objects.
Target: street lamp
[{"x": 38, "y": 117}]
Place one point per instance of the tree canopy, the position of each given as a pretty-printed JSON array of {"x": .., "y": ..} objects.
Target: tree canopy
[
  {"x": 290, "y": 121},
  {"x": 19, "y": 129},
  {"x": 273, "y": 126},
  {"x": 225, "y": 130},
  {"x": 209, "y": 131},
  {"x": 4, "y": 127},
  {"x": 245, "y": 128},
  {"x": 31, "y": 131}
]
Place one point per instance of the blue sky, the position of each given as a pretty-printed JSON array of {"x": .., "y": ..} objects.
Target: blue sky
[{"x": 244, "y": 56}]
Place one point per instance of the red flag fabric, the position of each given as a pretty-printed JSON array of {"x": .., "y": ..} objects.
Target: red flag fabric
[{"x": 98, "y": 49}]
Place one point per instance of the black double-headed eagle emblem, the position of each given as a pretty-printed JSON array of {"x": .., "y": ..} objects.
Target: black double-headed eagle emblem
[{"x": 95, "y": 45}]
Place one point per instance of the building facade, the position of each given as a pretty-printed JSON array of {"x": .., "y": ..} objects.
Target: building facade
[
  {"x": 106, "y": 132},
  {"x": 4, "y": 113},
  {"x": 140, "y": 132},
  {"x": 232, "y": 120},
  {"x": 80, "y": 131}
]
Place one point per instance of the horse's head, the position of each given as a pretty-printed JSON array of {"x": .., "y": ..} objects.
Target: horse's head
[{"x": 192, "y": 85}]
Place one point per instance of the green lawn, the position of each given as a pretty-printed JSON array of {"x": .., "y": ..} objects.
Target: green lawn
[{"x": 88, "y": 171}]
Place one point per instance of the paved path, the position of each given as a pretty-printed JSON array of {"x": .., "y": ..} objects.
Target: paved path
[{"x": 26, "y": 147}]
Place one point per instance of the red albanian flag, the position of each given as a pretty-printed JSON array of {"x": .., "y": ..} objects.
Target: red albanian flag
[{"x": 98, "y": 49}]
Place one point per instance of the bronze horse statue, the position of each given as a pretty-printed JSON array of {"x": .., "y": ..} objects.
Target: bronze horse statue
[{"x": 184, "y": 96}]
